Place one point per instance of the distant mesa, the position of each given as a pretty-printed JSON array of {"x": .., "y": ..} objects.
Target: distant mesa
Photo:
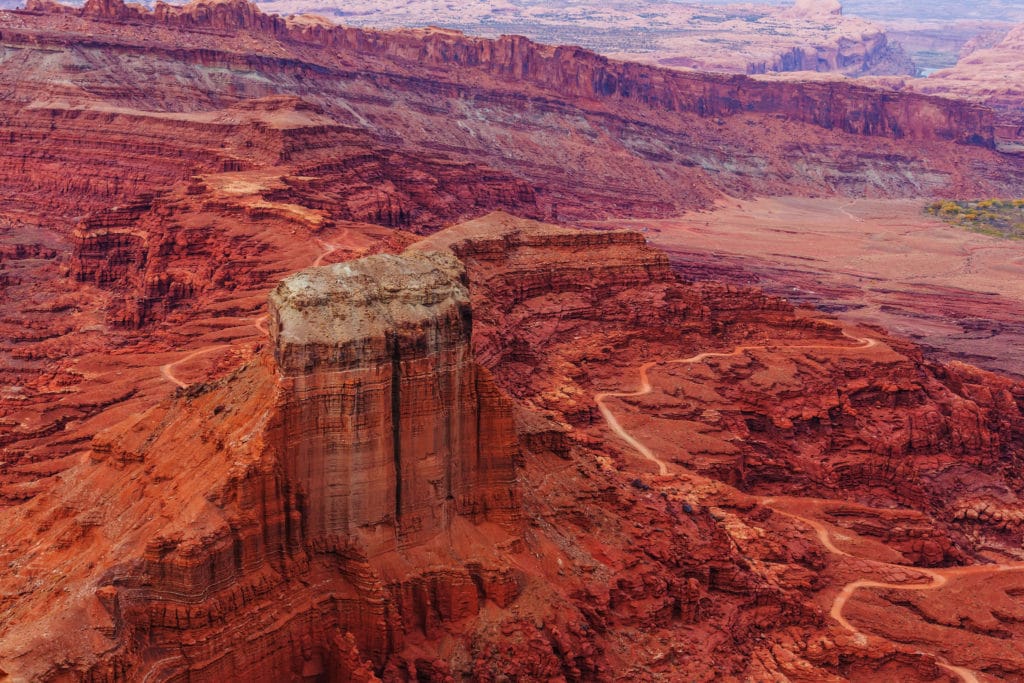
[{"x": 815, "y": 8}]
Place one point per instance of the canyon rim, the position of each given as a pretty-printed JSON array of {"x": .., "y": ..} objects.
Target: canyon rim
[{"x": 333, "y": 353}]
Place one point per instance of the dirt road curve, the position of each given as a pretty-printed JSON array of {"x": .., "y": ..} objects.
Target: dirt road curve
[
  {"x": 609, "y": 417},
  {"x": 645, "y": 388},
  {"x": 168, "y": 370},
  {"x": 259, "y": 322},
  {"x": 938, "y": 577}
]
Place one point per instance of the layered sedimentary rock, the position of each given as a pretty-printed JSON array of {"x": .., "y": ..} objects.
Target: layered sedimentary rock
[
  {"x": 738, "y": 38},
  {"x": 444, "y": 96},
  {"x": 313, "y": 487},
  {"x": 228, "y": 231},
  {"x": 345, "y": 504},
  {"x": 389, "y": 421},
  {"x": 988, "y": 74},
  {"x": 175, "y": 163},
  {"x": 184, "y": 499}
]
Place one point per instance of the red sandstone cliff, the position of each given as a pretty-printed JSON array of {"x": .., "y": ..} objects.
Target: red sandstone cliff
[
  {"x": 630, "y": 136},
  {"x": 222, "y": 532},
  {"x": 369, "y": 501},
  {"x": 388, "y": 420},
  {"x": 733, "y": 38},
  {"x": 572, "y": 72},
  {"x": 987, "y": 74},
  {"x": 324, "y": 504},
  {"x": 181, "y": 196}
]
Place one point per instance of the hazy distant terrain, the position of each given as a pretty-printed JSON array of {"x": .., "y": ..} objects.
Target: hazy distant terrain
[
  {"x": 930, "y": 10},
  {"x": 738, "y": 38},
  {"x": 921, "y": 36},
  {"x": 927, "y": 10}
]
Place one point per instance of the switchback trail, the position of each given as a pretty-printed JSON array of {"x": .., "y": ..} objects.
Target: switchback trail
[
  {"x": 937, "y": 577},
  {"x": 168, "y": 370},
  {"x": 609, "y": 417},
  {"x": 260, "y": 323},
  {"x": 328, "y": 249},
  {"x": 645, "y": 388},
  {"x": 845, "y": 210}
]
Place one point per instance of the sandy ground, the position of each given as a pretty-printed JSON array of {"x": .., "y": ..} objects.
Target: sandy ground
[{"x": 883, "y": 262}]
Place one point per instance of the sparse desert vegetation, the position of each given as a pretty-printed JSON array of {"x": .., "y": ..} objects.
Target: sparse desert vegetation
[{"x": 996, "y": 217}]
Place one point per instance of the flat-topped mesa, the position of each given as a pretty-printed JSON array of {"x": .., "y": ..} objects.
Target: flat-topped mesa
[
  {"x": 572, "y": 72},
  {"x": 604, "y": 261},
  {"x": 389, "y": 426},
  {"x": 350, "y": 315}
]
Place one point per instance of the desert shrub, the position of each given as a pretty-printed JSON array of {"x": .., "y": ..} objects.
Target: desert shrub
[{"x": 992, "y": 216}]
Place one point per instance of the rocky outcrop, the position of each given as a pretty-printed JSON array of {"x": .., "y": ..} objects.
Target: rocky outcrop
[
  {"x": 321, "y": 479},
  {"x": 436, "y": 108},
  {"x": 870, "y": 55},
  {"x": 413, "y": 482},
  {"x": 501, "y": 250},
  {"x": 294, "y": 511},
  {"x": 572, "y": 72},
  {"x": 389, "y": 422},
  {"x": 987, "y": 74}
]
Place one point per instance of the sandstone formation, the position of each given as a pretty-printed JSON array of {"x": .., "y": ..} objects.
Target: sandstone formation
[
  {"x": 989, "y": 75},
  {"x": 271, "y": 144},
  {"x": 332, "y": 498},
  {"x": 362, "y": 499},
  {"x": 388, "y": 421},
  {"x": 731, "y": 38},
  {"x": 501, "y": 449},
  {"x": 627, "y": 120}
]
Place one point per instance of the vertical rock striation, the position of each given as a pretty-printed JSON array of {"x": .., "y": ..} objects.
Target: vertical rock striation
[
  {"x": 355, "y": 505},
  {"x": 333, "y": 502},
  {"x": 389, "y": 427}
]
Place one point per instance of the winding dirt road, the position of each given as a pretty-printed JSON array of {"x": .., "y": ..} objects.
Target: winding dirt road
[
  {"x": 938, "y": 577},
  {"x": 645, "y": 388},
  {"x": 168, "y": 370},
  {"x": 259, "y": 322},
  {"x": 328, "y": 249},
  {"x": 609, "y": 417},
  {"x": 844, "y": 210}
]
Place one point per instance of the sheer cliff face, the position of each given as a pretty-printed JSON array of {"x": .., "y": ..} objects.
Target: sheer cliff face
[
  {"x": 309, "y": 490},
  {"x": 184, "y": 158},
  {"x": 388, "y": 491},
  {"x": 417, "y": 480},
  {"x": 389, "y": 427},
  {"x": 629, "y": 135},
  {"x": 708, "y": 37},
  {"x": 990, "y": 75}
]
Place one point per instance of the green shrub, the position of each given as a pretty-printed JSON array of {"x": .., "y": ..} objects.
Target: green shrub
[{"x": 995, "y": 217}]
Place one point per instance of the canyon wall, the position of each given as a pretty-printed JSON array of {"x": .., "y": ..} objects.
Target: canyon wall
[
  {"x": 734, "y": 38},
  {"x": 313, "y": 485},
  {"x": 210, "y": 505},
  {"x": 455, "y": 124},
  {"x": 413, "y": 481},
  {"x": 988, "y": 74},
  {"x": 573, "y": 72},
  {"x": 389, "y": 422}
]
